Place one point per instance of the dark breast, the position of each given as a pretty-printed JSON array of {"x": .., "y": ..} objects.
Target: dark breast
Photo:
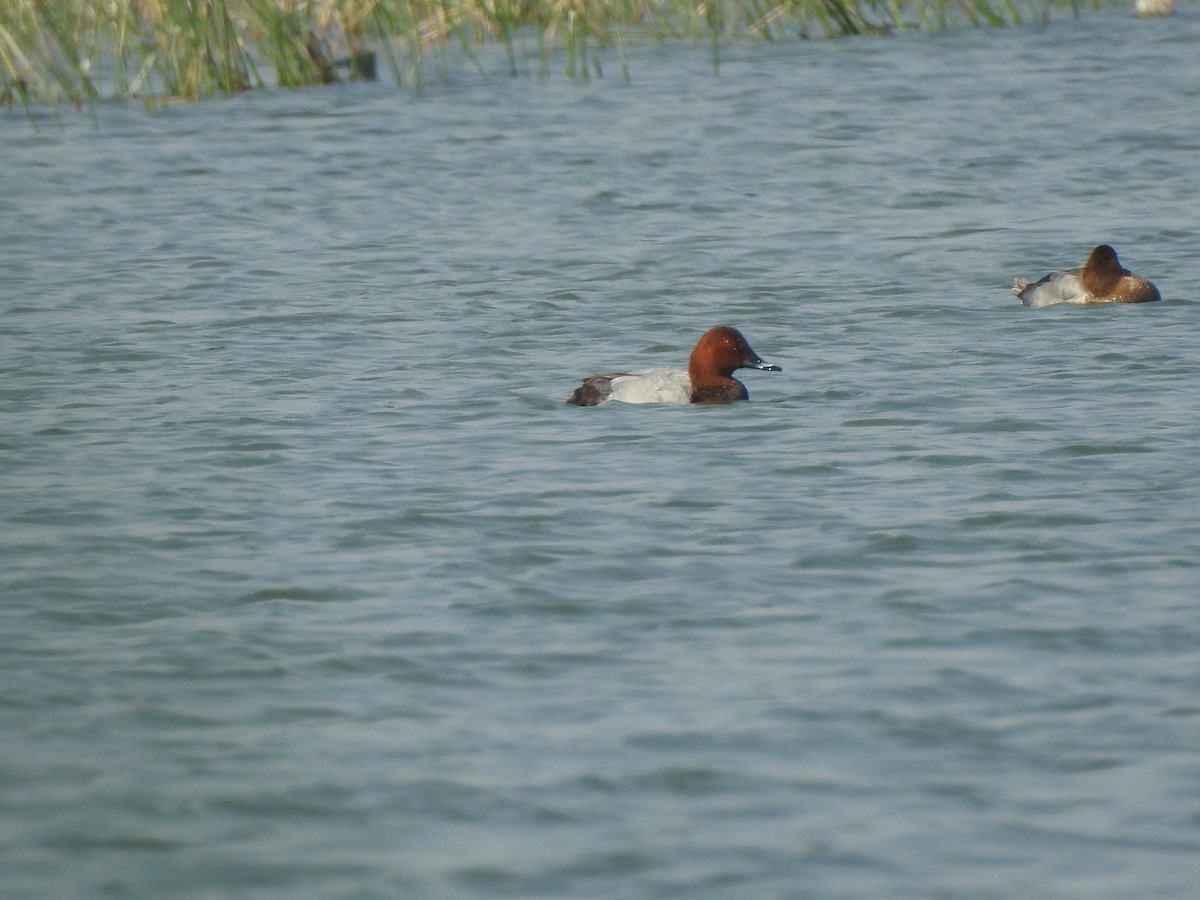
[{"x": 724, "y": 393}]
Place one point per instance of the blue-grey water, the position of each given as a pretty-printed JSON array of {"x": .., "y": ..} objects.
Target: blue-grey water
[{"x": 313, "y": 587}]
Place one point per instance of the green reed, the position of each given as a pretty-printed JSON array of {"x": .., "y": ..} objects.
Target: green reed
[{"x": 79, "y": 50}]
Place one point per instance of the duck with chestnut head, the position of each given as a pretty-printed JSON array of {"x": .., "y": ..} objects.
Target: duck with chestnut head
[
  {"x": 708, "y": 379},
  {"x": 1102, "y": 279}
]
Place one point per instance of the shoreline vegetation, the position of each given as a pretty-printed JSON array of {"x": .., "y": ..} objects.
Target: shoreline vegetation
[{"x": 162, "y": 51}]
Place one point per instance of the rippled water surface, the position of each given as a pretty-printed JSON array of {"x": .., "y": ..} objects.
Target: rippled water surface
[{"x": 313, "y": 587}]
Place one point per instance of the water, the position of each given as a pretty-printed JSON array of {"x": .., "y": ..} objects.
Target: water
[{"x": 314, "y": 588}]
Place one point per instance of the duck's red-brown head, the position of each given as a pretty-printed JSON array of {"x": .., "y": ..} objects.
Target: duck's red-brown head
[
  {"x": 717, "y": 354},
  {"x": 1102, "y": 271}
]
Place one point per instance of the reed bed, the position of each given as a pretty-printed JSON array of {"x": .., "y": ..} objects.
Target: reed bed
[{"x": 80, "y": 50}]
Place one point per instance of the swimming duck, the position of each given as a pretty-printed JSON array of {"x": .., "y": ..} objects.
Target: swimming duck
[
  {"x": 1102, "y": 279},
  {"x": 709, "y": 378}
]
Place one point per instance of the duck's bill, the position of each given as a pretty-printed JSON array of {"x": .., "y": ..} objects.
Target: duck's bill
[{"x": 751, "y": 360}]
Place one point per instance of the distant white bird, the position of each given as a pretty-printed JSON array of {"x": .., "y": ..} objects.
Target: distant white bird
[{"x": 1148, "y": 8}]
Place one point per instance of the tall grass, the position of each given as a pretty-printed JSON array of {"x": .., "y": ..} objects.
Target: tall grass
[{"x": 78, "y": 50}]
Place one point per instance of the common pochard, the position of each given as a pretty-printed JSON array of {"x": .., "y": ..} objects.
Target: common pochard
[
  {"x": 709, "y": 378},
  {"x": 1102, "y": 279}
]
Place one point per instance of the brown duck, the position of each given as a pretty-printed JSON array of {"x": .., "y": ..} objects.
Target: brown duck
[
  {"x": 1102, "y": 279},
  {"x": 709, "y": 378}
]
